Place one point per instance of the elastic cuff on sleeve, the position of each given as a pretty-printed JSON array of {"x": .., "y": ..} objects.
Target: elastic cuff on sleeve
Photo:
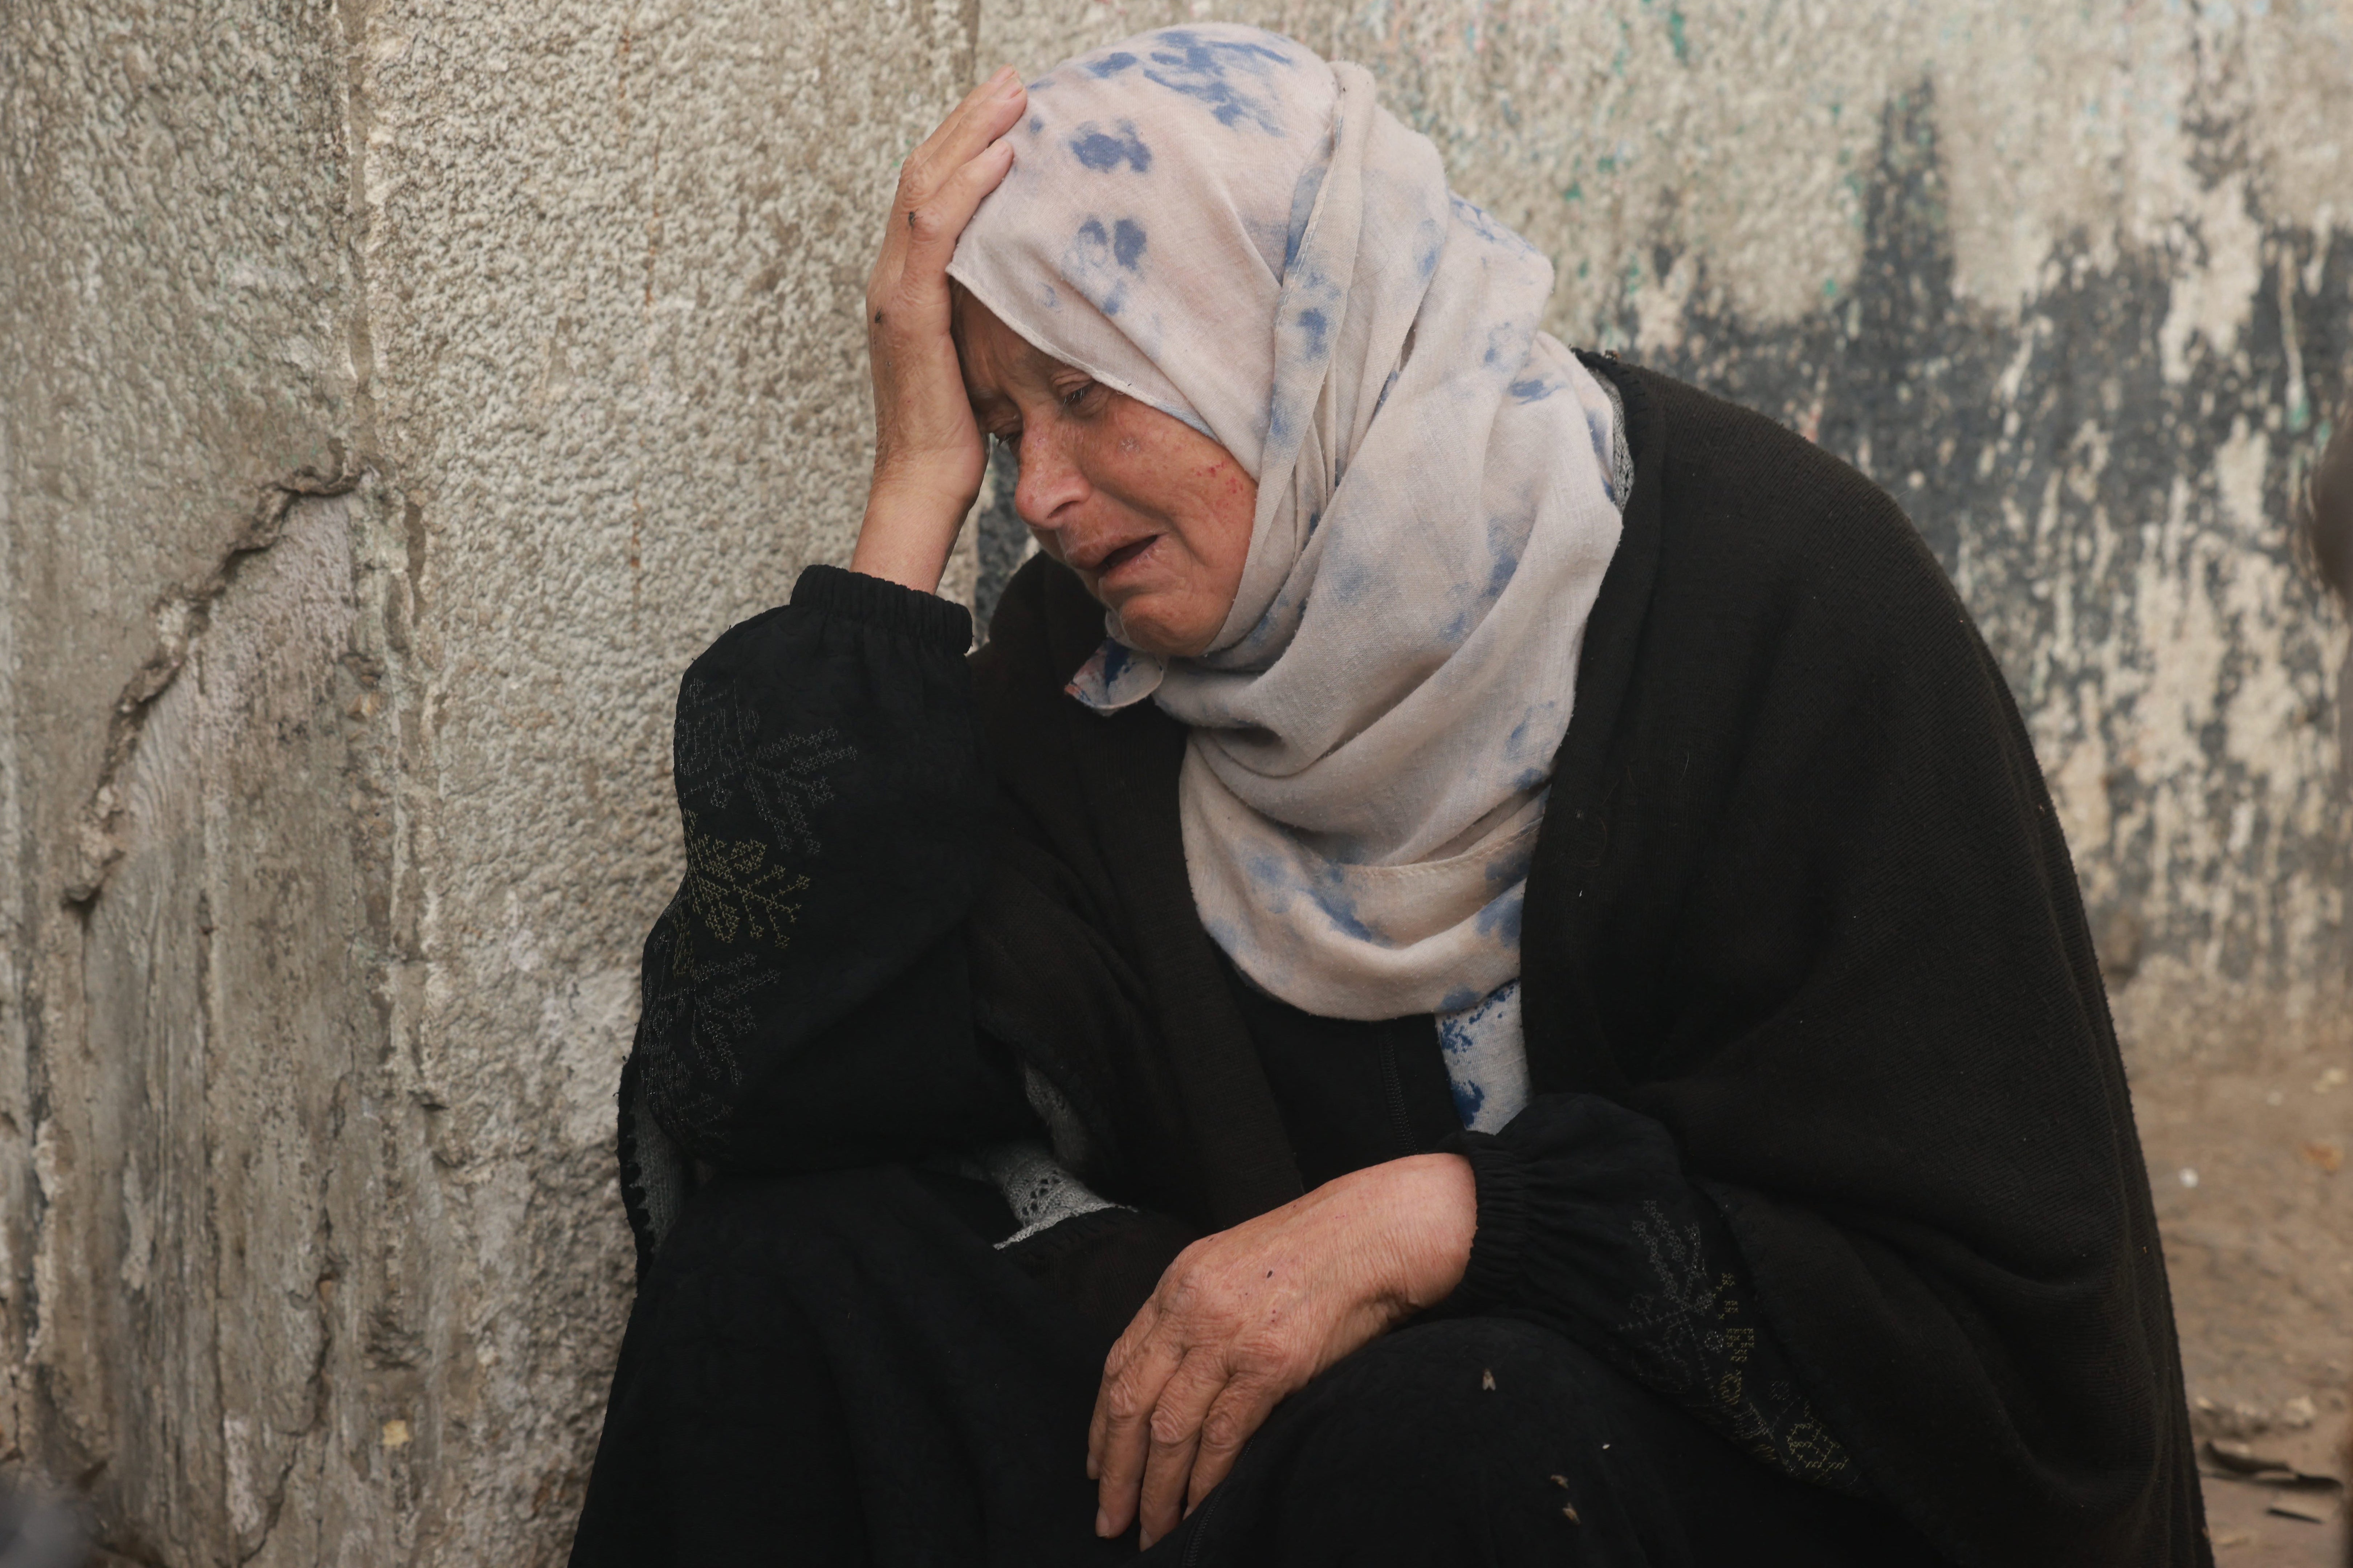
[
  {"x": 885, "y": 606},
  {"x": 1498, "y": 1245}
]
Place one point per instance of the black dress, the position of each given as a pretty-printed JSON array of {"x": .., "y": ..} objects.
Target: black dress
[{"x": 1825, "y": 1239}]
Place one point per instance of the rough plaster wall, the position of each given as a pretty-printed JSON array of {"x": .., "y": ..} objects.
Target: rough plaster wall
[
  {"x": 269, "y": 1171},
  {"x": 311, "y": 1247},
  {"x": 614, "y": 267},
  {"x": 174, "y": 302}
]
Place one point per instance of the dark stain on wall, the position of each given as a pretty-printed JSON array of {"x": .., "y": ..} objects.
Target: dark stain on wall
[{"x": 2060, "y": 477}]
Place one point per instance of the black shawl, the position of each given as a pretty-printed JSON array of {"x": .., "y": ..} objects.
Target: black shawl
[{"x": 1800, "y": 896}]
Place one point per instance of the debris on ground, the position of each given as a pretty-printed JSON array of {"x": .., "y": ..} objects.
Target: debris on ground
[{"x": 2239, "y": 1461}]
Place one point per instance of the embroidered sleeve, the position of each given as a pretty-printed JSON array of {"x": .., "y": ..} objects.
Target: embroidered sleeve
[
  {"x": 1587, "y": 1218},
  {"x": 1695, "y": 1336},
  {"x": 804, "y": 999}
]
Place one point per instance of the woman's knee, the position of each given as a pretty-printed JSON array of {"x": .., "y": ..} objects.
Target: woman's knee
[
  {"x": 1468, "y": 1387},
  {"x": 1497, "y": 1440},
  {"x": 756, "y": 1222},
  {"x": 1462, "y": 1442}
]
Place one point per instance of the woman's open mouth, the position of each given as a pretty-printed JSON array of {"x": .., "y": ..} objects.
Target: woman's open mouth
[{"x": 1111, "y": 564}]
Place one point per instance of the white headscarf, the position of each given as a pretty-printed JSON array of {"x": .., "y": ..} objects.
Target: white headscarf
[{"x": 1213, "y": 220}]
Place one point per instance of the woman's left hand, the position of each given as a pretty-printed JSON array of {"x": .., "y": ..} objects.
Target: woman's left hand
[{"x": 1244, "y": 1318}]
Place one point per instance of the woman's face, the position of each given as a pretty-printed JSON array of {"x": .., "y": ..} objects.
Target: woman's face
[{"x": 1154, "y": 516}]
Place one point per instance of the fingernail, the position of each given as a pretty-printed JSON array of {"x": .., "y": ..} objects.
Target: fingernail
[
  {"x": 1004, "y": 74},
  {"x": 1102, "y": 1524}
]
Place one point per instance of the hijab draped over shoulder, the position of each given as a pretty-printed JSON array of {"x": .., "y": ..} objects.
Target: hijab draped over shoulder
[{"x": 1218, "y": 223}]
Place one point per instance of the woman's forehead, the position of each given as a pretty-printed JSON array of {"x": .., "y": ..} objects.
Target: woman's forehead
[{"x": 996, "y": 359}]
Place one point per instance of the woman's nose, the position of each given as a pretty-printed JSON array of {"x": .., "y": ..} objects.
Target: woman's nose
[{"x": 1051, "y": 483}]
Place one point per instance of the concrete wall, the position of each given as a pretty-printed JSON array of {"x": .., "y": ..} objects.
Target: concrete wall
[{"x": 395, "y": 394}]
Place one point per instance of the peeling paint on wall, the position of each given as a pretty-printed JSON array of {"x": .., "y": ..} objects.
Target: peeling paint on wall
[{"x": 2105, "y": 473}]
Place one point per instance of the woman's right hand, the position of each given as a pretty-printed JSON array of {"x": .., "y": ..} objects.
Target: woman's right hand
[{"x": 928, "y": 456}]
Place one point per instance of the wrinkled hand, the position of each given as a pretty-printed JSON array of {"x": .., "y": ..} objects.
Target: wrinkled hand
[
  {"x": 928, "y": 456},
  {"x": 1245, "y": 1318}
]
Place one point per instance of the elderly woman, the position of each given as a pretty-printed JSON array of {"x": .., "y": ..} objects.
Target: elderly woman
[{"x": 1479, "y": 971}]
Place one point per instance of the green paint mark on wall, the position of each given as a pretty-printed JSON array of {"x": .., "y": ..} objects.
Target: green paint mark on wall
[{"x": 1675, "y": 37}]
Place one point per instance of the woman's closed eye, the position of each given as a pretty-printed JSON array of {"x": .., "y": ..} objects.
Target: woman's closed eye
[{"x": 1083, "y": 397}]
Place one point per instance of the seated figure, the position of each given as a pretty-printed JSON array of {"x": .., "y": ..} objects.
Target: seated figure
[{"x": 1478, "y": 972}]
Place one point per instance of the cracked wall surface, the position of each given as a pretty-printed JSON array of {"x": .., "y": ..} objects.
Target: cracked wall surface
[{"x": 395, "y": 395}]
